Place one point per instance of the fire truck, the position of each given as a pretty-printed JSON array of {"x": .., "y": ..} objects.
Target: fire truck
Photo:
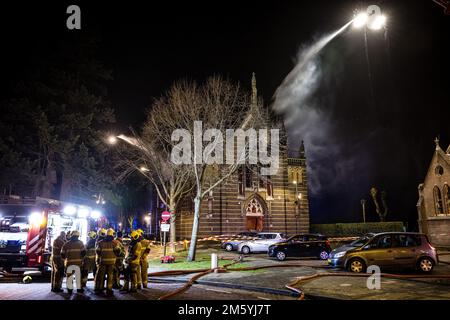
[{"x": 28, "y": 227}]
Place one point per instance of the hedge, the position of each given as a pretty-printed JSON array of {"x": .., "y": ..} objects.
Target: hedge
[{"x": 355, "y": 229}]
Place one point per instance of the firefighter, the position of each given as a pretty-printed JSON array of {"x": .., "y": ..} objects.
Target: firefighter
[
  {"x": 132, "y": 262},
  {"x": 139, "y": 277},
  {"x": 118, "y": 268},
  {"x": 57, "y": 262},
  {"x": 145, "y": 250},
  {"x": 73, "y": 252},
  {"x": 107, "y": 250},
  {"x": 89, "y": 260}
]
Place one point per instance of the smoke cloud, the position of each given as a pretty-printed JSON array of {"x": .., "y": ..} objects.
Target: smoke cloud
[{"x": 307, "y": 118}]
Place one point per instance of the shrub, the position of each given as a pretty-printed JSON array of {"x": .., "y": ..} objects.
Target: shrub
[{"x": 355, "y": 229}]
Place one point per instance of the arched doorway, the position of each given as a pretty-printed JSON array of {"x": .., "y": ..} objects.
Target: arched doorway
[{"x": 254, "y": 214}]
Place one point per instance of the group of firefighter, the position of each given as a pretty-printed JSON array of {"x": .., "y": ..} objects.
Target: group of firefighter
[{"x": 106, "y": 256}]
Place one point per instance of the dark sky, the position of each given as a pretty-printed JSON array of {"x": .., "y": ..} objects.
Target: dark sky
[{"x": 385, "y": 141}]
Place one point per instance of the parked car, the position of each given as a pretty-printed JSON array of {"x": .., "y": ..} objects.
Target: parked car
[
  {"x": 261, "y": 245},
  {"x": 233, "y": 244},
  {"x": 388, "y": 249},
  {"x": 301, "y": 245}
]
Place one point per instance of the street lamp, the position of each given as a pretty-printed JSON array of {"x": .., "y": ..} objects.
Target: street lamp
[
  {"x": 371, "y": 18},
  {"x": 112, "y": 140}
]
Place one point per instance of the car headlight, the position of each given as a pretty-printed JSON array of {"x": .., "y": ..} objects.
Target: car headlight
[{"x": 340, "y": 254}]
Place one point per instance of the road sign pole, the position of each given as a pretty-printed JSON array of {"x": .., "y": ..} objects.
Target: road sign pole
[{"x": 165, "y": 243}]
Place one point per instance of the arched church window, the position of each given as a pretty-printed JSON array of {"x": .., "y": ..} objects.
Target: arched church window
[
  {"x": 241, "y": 189},
  {"x": 248, "y": 178},
  {"x": 438, "y": 201},
  {"x": 446, "y": 191},
  {"x": 254, "y": 208}
]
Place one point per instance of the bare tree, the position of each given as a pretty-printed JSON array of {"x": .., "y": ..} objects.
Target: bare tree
[
  {"x": 216, "y": 105},
  {"x": 381, "y": 214},
  {"x": 149, "y": 155}
]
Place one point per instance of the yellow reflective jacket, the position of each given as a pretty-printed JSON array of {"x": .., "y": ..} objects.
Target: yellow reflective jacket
[
  {"x": 73, "y": 252},
  {"x": 134, "y": 253},
  {"x": 107, "y": 251},
  {"x": 145, "y": 248}
]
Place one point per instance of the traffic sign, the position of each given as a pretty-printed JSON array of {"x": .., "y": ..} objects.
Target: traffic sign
[
  {"x": 165, "y": 215},
  {"x": 165, "y": 227}
]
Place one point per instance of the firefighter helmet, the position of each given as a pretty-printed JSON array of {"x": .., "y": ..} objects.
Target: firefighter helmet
[
  {"x": 140, "y": 231},
  {"x": 101, "y": 232},
  {"x": 75, "y": 233},
  {"x": 134, "y": 235},
  {"x": 92, "y": 234},
  {"x": 110, "y": 232}
]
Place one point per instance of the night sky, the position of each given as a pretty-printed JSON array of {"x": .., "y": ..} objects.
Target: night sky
[{"x": 385, "y": 140}]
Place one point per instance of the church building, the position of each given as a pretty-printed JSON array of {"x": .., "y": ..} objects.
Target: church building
[
  {"x": 434, "y": 199},
  {"x": 249, "y": 201}
]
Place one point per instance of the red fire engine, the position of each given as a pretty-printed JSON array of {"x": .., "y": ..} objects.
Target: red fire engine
[{"x": 28, "y": 227}]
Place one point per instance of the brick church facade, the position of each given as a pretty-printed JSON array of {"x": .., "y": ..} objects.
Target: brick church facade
[
  {"x": 249, "y": 201},
  {"x": 434, "y": 199}
]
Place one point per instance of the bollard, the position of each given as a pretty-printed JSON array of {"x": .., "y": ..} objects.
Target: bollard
[{"x": 214, "y": 264}]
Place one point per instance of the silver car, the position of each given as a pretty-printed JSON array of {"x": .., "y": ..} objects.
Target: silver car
[
  {"x": 388, "y": 249},
  {"x": 263, "y": 244}
]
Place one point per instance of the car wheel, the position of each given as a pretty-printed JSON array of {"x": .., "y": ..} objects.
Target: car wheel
[
  {"x": 425, "y": 265},
  {"x": 229, "y": 247},
  {"x": 356, "y": 265},
  {"x": 323, "y": 255},
  {"x": 281, "y": 255},
  {"x": 245, "y": 250}
]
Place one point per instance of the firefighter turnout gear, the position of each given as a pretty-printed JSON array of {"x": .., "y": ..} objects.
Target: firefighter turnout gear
[
  {"x": 132, "y": 262},
  {"x": 145, "y": 250},
  {"x": 118, "y": 267},
  {"x": 89, "y": 260},
  {"x": 73, "y": 253},
  {"x": 57, "y": 263},
  {"x": 107, "y": 250}
]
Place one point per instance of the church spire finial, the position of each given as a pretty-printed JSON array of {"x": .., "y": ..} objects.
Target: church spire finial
[
  {"x": 254, "y": 91},
  {"x": 301, "y": 151},
  {"x": 436, "y": 141}
]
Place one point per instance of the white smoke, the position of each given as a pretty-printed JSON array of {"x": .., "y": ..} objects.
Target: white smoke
[{"x": 305, "y": 119}]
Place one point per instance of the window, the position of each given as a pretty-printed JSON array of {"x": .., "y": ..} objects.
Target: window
[
  {"x": 439, "y": 171},
  {"x": 438, "y": 201},
  {"x": 446, "y": 191},
  {"x": 269, "y": 187},
  {"x": 241, "y": 189},
  {"x": 406, "y": 240},
  {"x": 384, "y": 242},
  {"x": 248, "y": 178}
]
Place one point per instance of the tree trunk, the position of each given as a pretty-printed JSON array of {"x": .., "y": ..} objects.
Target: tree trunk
[
  {"x": 173, "y": 231},
  {"x": 193, "y": 244}
]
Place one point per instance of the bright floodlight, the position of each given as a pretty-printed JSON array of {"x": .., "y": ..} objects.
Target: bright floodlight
[
  {"x": 83, "y": 212},
  {"x": 144, "y": 169},
  {"x": 95, "y": 214},
  {"x": 70, "y": 210},
  {"x": 35, "y": 218},
  {"x": 360, "y": 20},
  {"x": 112, "y": 140},
  {"x": 378, "y": 23}
]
